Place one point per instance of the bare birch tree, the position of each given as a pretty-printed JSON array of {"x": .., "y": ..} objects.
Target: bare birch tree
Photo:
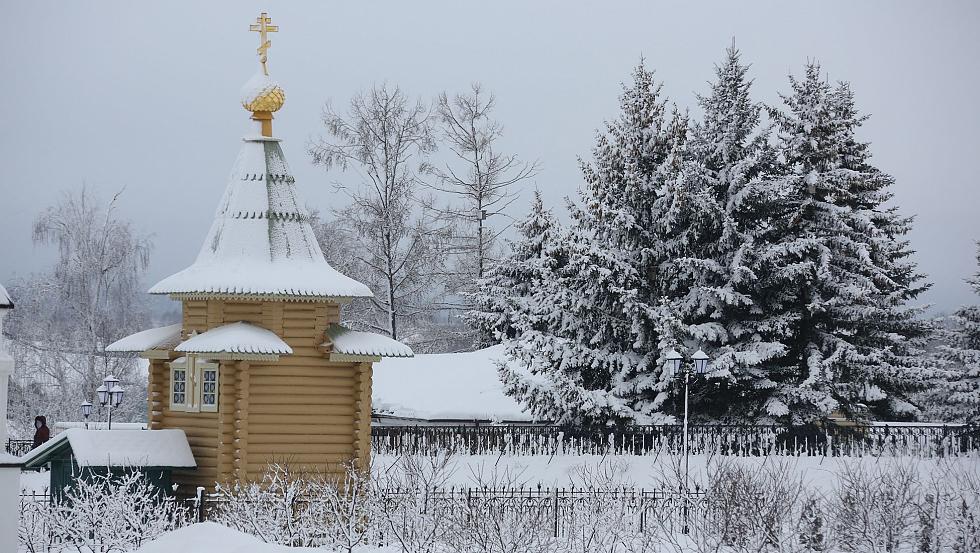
[
  {"x": 93, "y": 296},
  {"x": 480, "y": 177},
  {"x": 386, "y": 138}
]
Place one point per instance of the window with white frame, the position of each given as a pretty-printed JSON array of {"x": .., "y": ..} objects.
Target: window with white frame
[
  {"x": 178, "y": 387},
  {"x": 193, "y": 385},
  {"x": 209, "y": 388}
]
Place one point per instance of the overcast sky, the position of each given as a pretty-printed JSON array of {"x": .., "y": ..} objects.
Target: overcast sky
[{"x": 145, "y": 96}]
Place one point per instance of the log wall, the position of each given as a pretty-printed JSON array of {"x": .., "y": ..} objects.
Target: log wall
[{"x": 302, "y": 410}]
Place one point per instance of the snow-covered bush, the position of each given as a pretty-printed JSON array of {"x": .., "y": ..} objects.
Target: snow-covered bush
[
  {"x": 300, "y": 510},
  {"x": 875, "y": 509},
  {"x": 100, "y": 514},
  {"x": 409, "y": 510}
]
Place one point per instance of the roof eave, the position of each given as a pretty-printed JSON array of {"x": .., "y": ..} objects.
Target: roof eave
[
  {"x": 354, "y": 358},
  {"x": 182, "y": 296},
  {"x": 233, "y": 356}
]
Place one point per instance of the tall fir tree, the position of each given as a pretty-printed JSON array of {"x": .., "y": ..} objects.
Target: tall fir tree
[
  {"x": 721, "y": 298},
  {"x": 588, "y": 347},
  {"x": 843, "y": 263},
  {"x": 503, "y": 292},
  {"x": 960, "y": 356}
]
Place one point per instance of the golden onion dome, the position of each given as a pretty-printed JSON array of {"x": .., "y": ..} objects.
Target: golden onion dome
[{"x": 261, "y": 93}]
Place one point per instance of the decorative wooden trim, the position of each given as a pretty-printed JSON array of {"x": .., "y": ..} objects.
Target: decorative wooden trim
[
  {"x": 347, "y": 358},
  {"x": 223, "y": 356},
  {"x": 362, "y": 416},
  {"x": 155, "y": 354},
  {"x": 241, "y": 421},
  {"x": 185, "y": 296},
  {"x": 227, "y": 386}
]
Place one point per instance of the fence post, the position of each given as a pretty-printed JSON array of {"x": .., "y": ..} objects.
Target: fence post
[
  {"x": 199, "y": 504},
  {"x": 643, "y": 510},
  {"x": 556, "y": 511}
]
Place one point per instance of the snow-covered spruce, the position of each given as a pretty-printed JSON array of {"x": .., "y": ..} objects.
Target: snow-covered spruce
[
  {"x": 588, "y": 339},
  {"x": 508, "y": 284},
  {"x": 839, "y": 269},
  {"x": 959, "y": 354},
  {"x": 718, "y": 289},
  {"x": 778, "y": 256}
]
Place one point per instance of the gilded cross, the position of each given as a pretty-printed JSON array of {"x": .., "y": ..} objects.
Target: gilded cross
[{"x": 262, "y": 27}]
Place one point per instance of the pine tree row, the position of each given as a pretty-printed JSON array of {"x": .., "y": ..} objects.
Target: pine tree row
[{"x": 762, "y": 235}]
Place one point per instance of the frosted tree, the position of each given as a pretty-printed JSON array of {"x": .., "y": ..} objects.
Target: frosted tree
[
  {"x": 842, "y": 263},
  {"x": 960, "y": 355},
  {"x": 509, "y": 283},
  {"x": 589, "y": 341},
  {"x": 387, "y": 138},
  {"x": 92, "y": 296},
  {"x": 720, "y": 291},
  {"x": 480, "y": 178}
]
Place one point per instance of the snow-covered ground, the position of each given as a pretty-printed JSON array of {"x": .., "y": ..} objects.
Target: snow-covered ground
[
  {"x": 460, "y": 386},
  {"x": 634, "y": 471},
  {"x": 35, "y": 482},
  {"x": 214, "y": 538},
  {"x": 650, "y": 472}
]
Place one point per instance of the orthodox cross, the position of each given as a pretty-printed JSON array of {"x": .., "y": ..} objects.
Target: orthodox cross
[{"x": 262, "y": 27}]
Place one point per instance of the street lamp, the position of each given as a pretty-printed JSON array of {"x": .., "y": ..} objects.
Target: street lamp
[
  {"x": 674, "y": 362},
  {"x": 110, "y": 395},
  {"x": 86, "y": 411}
]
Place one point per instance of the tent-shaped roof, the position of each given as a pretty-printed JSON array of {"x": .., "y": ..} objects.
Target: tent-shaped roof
[
  {"x": 261, "y": 242},
  {"x": 5, "y": 301},
  {"x": 236, "y": 339},
  {"x": 117, "y": 448},
  {"x": 162, "y": 338},
  {"x": 355, "y": 343}
]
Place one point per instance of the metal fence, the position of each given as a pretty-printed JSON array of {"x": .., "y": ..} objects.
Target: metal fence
[
  {"x": 554, "y": 510},
  {"x": 19, "y": 447},
  {"x": 738, "y": 440}
]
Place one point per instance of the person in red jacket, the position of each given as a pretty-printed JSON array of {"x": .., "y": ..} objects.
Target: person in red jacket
[{"x": 43, "y": 433}]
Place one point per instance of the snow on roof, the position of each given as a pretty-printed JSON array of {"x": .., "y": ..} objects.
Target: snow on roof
[
  {"x": 211, "y": 537},
  {"x": 261, "y": 241},
  {"x": 5, "y": 301},
  {"x": 237, "y": 337},
  {"x": 354, "y": 342},
  {"x": 162, "y": 338},
  {"x": 445, "y": 386},
  {"x": 8, "y": 460},
  {"x": 133, "y": 448}
]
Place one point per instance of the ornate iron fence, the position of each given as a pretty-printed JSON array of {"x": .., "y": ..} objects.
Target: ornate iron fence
[
  {"x": 19, "y": 447},
  {"x": 739, "y": 440},
  {"x": 556, "y": 510}
]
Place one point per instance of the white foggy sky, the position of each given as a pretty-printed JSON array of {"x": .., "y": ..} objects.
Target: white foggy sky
[{"x": 145, "y": 96}]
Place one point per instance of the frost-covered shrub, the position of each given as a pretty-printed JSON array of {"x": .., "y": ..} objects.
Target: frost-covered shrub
[
  {"x": 300, "y": 510},
  {"x": 103, "y": 514},
  {"x": 876, "y": 508},
  {"x": 409, "y": 510}
]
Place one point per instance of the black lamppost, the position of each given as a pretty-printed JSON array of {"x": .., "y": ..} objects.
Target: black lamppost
[
  {"x": 110, "y": 394},
  {"x": 674, "y": 363}
]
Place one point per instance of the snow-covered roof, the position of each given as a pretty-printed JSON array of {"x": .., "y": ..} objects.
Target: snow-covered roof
[
  {"x": 162, "y": 338},
  {"x": 8, "y": 460},
  {"x": 236, "y": 338},
  {"x": 445, "y": 386},
  {"x": 133, "y": 448},
  {"x": 5, "y": 301},
  {"x": 261, "y": 242},
  {"x": 354, "y": 342}
]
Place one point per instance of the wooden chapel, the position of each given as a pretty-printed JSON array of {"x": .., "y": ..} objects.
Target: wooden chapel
[{"x": 259, "y": 370}]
